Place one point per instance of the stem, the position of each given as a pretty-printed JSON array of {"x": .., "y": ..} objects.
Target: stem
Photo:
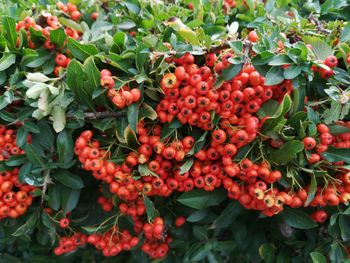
[{"x": 99, "y": 115}]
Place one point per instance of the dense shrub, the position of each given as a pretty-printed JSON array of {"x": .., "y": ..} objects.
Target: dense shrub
[{"x": 203, "y": 131}]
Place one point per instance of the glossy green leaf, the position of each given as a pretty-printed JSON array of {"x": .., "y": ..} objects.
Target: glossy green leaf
[
  {"x": 297, "y": 219},
  {"x": 200, "y": 199},
  {"x": 69, "y": 179}
]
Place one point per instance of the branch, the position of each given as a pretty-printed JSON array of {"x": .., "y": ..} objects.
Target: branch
[
  {"x": 98, "y": 115},
  {"x": 318, "y": 24}
]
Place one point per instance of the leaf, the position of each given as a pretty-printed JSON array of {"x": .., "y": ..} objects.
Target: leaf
[
  {"x": 345, "y": 35},
  {"x": 146, "y": 111},
  {"x": 267, "y": 252},
  {"x": 274, "y": 122},
  {"x": 58, "y": 36},
  {"x": 33, "y": 154},
  {"x": 321, "y": 49},
  {"x": 126, "y": 25},
  {"x": 81, "y": 51},
  {"x": 198, "y": 145},
  {"x": 231, "y": 71},
  {"x": 150, "y": 209},
  {"x": 145, "y": 171},
  {"x": 197, "y": 216},
  {"x": 228, "y": 215},
  {"x": 268, "y": 109},
  {"x": 334, "y": 154},
  {"x": 59, "y": 118},
  {"x": 70, "y": 23},
  {"x": 318, "y": 257},
  {"x": 31, "y": 127},
  {"x": 280, "y": 60},
  {"x": 75, "y": 81},
  {"x": 292, "y": 72},
  {"x": 54, "y": 192},
  {"x": 297, "y": 219},
  {"x": 119, "y": 39},
  {"x": 133, "y": 115},
  {"x": 65, "y": 146},
  {"x": 344, "y": 225},
  {"x": 7, "y": 60},
  {"x": 186, "y": 166},
  {"x": 338, "y": 129},
  {"x": 28, "y": 227},
  {"x": 287, "y": 152},
  {"x": 69, "y": 179},
  {"x": 312, "y": 190},
  {"x": 274, "y": 76},
  {"x": 337, "y": 254},
  {"x": 9, "y": 25},
  {"x": 70, "y": 198},
  {"x": 200, "y": 199},
  {"x": 130, "y": 137}
]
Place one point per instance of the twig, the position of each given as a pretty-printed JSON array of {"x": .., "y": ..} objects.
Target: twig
[
  {"x": 98, "y": 115},
  {"x": 318, "y": 24}
]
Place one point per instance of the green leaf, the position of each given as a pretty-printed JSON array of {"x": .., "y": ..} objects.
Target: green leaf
[
  {"x": 7, "y": 60},
  {"x": 197, "y": 216},
  {"x": 268, "y": 109},
  {"x": 22, "y": 135},
  {"x": 228, "y": 215},
  {"x": 199, "y": 144},
  {"x": 320, "y": 47},
  {"x": 231, "y": 71},
  {"x": 54, "y": 193},
  {"x": 65, "y": 146},
  {"x": 34, "y": 154},
  {"x": 9, "y": 25},
  {"x": 297, "y": 219},
  {"x": 186, "y": 166},
  {"x": 145, "y": 171},
  {"x": 344, "y": 225},
  {"x": 334, "y": 154},
  {"x": 141, "y": 57},
  {"x": 280, "y": 60},
  {"x": 58, "y": 36},
  {"x": 317, "y": 257},
  {"x": 287, "y": 152},
  {"x": 70, "y": 198},
  {"x": 292, "y": 72},
  {"x": 267, "y": 252},
  {"x": 345, "y": 35},
  {"x": 133, "y": 115},
  {"x": 126, "y": 25},
  {"x": 337, "y": 254},
  {"x": 338, "y": 129},
  {"x": 69, "y": 179},
  {"x": 200, "y": 199},
  {"x": 274, "y": 123},
  {"x": 130, "y": 137},
  {"x": 146, "y": 111},
  {"x": 274, "y": 76},
  {"x": 16, "y": 160},
  {"x": 81, "y": 51},
  {"x": 28, "y": 227},
  {"x": 119, "y": 39},
  {"x": 312, "y": 190},
  {"x": 75, "y": 81},
  {"x": 70, "y": 23},
  {"x": 31, "y": 127},
  {"x": 150, "y": 209}
]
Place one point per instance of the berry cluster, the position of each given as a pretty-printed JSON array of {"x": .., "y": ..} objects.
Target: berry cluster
[
  {"x": 70, "y": 9},
  {"x": 326, "y": 72},
  {"x": 190, "y": 95},
  {"x": 8, "y": 145},
  {"x": 69, "y": 244},
  {"x": 121, "y": 98},
  {"x": 154, "y": 245},
  {"x": 105, "y": 203},
  {"x": 15, "y": 197},
  {"x": 114, "y": 241}
]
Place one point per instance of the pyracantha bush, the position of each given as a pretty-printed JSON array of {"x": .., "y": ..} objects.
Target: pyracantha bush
[{"x": 203, "y": 131}]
